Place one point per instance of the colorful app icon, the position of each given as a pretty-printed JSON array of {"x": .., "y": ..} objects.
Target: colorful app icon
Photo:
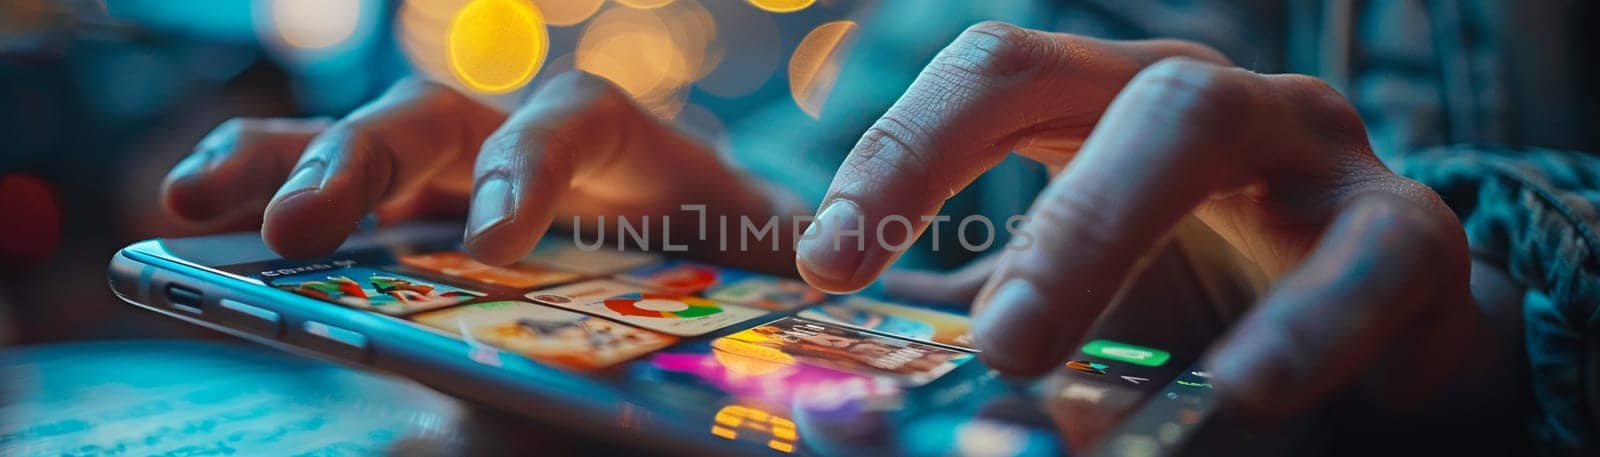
[
  {"x": 676, "y": 276},
  {"x": 380, "y": 291},
  {"x": 765, "y": 292},
  {"x": 562, "y": 254},
  {"x": 919, "y": 324},
  {"x": 663, "y": 312},
  {"x": 727, "y": 285},
  {"x": 1124, "y": 352},
  {"x": 792, "y": 340},
  {"x": 554, "y": 336},
  {"x": 1083, "y": 366},
  {"x": 637, "y": 304},
  {"x": 758, "y": 379},
  {"x": 520, "y": 275}
]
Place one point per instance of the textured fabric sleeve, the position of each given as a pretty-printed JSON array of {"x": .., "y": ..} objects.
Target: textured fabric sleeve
[{"x": 1534, "y": 212}]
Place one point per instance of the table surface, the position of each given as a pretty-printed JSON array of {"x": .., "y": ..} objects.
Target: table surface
[{"x": 192, "y": 398}]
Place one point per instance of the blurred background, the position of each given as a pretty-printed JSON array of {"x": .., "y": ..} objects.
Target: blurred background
[{"x": 98, "y": 99}]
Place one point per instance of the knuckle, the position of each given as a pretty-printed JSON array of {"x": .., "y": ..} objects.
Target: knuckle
[
  {"x": 879, "y": 142},
  {"x": 890, "y": 148},
  {"x": 356, "y": 134},
  {"x": 583, "y": 89},
  {"x": 1402, "y": 204},
  {"x": 1149, "y": 51},
  {"x": 348, "y": 142},
  {"x": 525, "y": 147},
  {"x": 1191, "y": 93},
  {"x": 363, "y": 145},
  {"x": 1321, "y": 107},
  {"x": 1416, "y": 228},
  {"x": 520, "y": 141},
  {"x": 504, "y": 142},
  {"x": 991, "y": 50}
]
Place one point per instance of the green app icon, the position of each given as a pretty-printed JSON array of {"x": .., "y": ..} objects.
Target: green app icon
[{"x": 1123, "y": 352}]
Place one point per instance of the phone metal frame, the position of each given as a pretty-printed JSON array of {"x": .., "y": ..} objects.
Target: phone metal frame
[{"x": 141, "y": 273}]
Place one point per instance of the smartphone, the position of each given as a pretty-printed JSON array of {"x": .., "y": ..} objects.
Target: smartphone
[{"x": 669, "y": 355}]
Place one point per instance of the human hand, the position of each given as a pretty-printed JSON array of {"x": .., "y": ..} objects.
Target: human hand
[
  {"x": 1367, "y": 266},
  {"x": 579, "y": 147}
]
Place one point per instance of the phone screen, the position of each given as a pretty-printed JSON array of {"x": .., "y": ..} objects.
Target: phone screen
[{"x": 769, "y": 361}]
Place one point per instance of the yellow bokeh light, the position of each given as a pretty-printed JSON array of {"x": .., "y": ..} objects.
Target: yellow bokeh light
[
  {"x": 782, "y": 6},
  {"x": 643, "y": 4},
  {"x": 496, "y": 46},
  {"x": 651, "y": 54},
  {"x": 814, "y": 68},
  {"x": 568, "y": 12},
  {"x": 314, "y": 24}
]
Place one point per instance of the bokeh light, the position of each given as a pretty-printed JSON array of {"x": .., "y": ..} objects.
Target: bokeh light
[
  {"x": 314, "y": 24},
  {"x": 652, "y": 54},
  {"x": 782, "y": 6},
  {"x": 496, "y": 46},
  {"x": 568, "y": 12},
  {"x": 420, "y": 28},
  {"x": 750, "y": 46},
  {"x": 814, "y": 67},
  {"x": 477, "y": 46}
]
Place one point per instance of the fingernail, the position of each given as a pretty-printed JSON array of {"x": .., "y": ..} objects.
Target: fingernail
[
  {"x": 189, "y": 166},
  {"x": 491, "y": 205},
  {"x": 823, "y": 247},
  {"x": 1008, "y": 332},
  {"x": 306, "y": 178}
]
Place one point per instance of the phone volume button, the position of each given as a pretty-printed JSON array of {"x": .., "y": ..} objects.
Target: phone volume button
[
  {"x": 251, "y": 318},
  {"x": 337, "y": 342}
]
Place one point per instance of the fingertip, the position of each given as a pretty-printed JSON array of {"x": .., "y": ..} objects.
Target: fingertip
[
  {"x": 1251, "y": 377},
  {"x": 497, "y": 246},
  {"x": 1013, "y": 333},
  {"x": 181, "y": 192},
  {"x": 822, "y": 281},
  {"x": 506, "y": 240},
  {"x": 179, "y": 198},
  {"x": 305, "y": 225},
  {"x": 832, "y": 252}
]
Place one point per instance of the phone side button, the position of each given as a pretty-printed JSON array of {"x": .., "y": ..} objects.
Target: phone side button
[
  {"x": 250, "y": 318},
  {"x": 337, "y": 342}
]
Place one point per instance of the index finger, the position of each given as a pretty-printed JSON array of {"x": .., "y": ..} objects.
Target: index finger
[
  {"x": 996, "y": 88},
  {"x": 386, "y": 149}
]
